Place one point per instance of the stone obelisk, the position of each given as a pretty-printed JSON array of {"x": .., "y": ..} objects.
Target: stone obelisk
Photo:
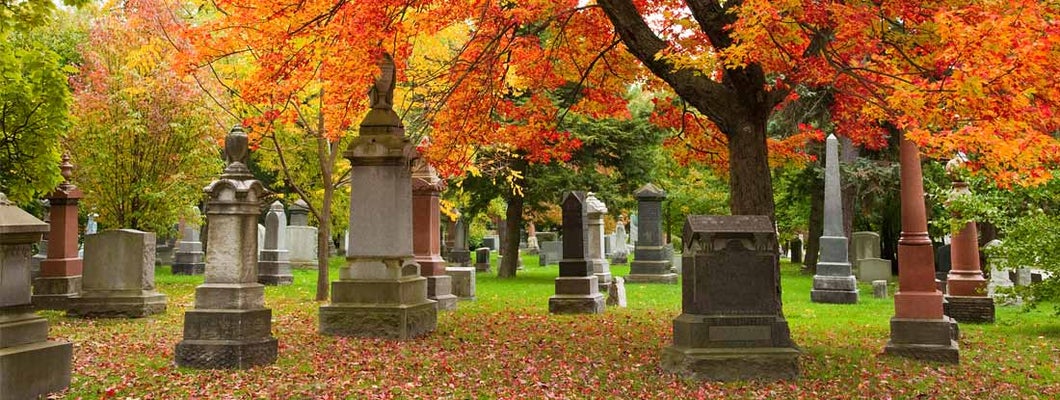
[
  {"x": 966, "y": 295},
  {"x": 380, "y": 292},
  {"x": 834, "y": 282},
  {"x": 60, "y": 273}
]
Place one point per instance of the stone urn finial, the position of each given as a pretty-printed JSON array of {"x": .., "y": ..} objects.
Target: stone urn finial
[
  {"x": 236, "y": 153},
  {"x": 382, "y": 92},
  {"x": 66, "y": 168}
]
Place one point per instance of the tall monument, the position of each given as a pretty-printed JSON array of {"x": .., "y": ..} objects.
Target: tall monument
[
  {"x": 834, "y": 282},
  {"x": 651, "y": 261},
  {"x": 60, "y": 273}
]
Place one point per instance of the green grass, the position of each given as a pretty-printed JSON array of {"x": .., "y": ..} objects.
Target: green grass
[{"x": 504, "y": 344}]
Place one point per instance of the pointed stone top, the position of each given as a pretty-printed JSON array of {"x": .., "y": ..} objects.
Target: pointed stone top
[
  {"x": 300, "y": 205},
  {"x": 237, "y": 151},
  {"x": 831, "y": 136},
  {"x": 649, "y": 191},
  {"x": 574, "y": 200},
  {"x": 276, "y": 206},
  {"x": 593, "y": 205}
]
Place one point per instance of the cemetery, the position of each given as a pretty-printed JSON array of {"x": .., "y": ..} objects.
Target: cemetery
[{"x": 608, "y": 199}]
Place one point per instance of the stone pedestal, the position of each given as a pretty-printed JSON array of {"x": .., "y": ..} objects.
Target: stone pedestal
[
  {"x": 230, "y": 326},
  {"x": 189, "y": 259},
  {"x": 380, "y": 293},
  {"x": 551, "y": 252},
  {"x": 31, "y": 366},
  {"x": 119, "y": 276},
  {"x": 577, "y": 288},
  {"x": 60, "y": 272},
  {"x": 834, "y": 282},
  {"x": 596, "y": 249},
  {"x": 273, "y": 265},
  {"x": 651, "y": 263},
  {"x": 918, "y": 329},
  {"x": 463, "y": 282},
  {"x": 427, "y": 235},
  {"x": 731, "y": 327}
]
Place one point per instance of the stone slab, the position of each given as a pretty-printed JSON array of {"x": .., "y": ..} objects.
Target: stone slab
[
  {"x": 228, "y": 325},
  {"x": 54, "y": 293},
  {"x": 100, "y": 305},
  {"x": 879, "y": 289},
  {"x": 929, "y": 340},
  {"x": 874, "y": 269},
  {"x": 576, "y": 304},
  {"x": 970, "y": 309},
  {"x": 386, "y": 321},
  {"x": 463, "y": 282},
  {"x": 440, "y": 289},
  {"x": 33, "y": 370},
  {"x": 226, "y": 354},
  {"x": 616, "y": 293},
  {"x": 834, "y": 296},
  {"x": 732, "y": 364},
  {"x": 669, "y": 278}
]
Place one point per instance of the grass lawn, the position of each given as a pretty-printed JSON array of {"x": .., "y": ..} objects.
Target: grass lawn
[{"x": 504, "y": 344}]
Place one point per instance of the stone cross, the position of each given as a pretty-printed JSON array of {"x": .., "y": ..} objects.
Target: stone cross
[{"x": 834, "y": 282}]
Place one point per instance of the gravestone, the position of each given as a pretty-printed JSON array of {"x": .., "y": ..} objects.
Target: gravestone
[
  {"x": 595, "y": 211},
  {"x": 189, "y": 259},
  {"x": 943, "y": 264},
  {"x": 273, "y": 265},
  {"x": 551, "y": 250},
  {"x": 795, "y": 252},
  {"x": 165, "y": 251},
  {"x": 119, "y": 276},
  {"x": 868, "y": 266},
  {"x": 577, "y": 287},
  {"x": 616, "y": 293},
  {"x": 651, "y": 263},
  {"x": 874, "y": 269},
  {"x": 482, "y": 259},
  {"x": 459, "y": 255},
  {"x": 731, "y": 326},
  {"x": 866, "y": 245},
  {"x": 879, "y": 289},
  {"x": 999, "y": 277},
  {"x": 261, "y": 236},
  {"x": 491, "y": 242},
  {"x": 620, "y": 255},
  {"x": 834, "y": 283},
  {"x": 301, "y": 238},
  {"x": 42, "y": 245},
  {"x": 60, "y": 272},
  {"x": 380, "y": 293},
  {"x": 229, "y": 326},
  {"x": 463, "y": 282},
  {"x": 31, "y": 366},
  {"x": 634, "y": 233},
  {"x": 427, "y": 234},
  {"x": 460, "y": 268},
  {"x": 609, "y": 244}
]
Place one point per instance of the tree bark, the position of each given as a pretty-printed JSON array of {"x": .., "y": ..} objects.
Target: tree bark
[
  {"x": 816, "y": 228},
  {"x": 510, "y": 245},
  {"x": 848, "y": 154}
]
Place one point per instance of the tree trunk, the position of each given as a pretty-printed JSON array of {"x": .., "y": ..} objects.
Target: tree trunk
[
  {"x": 848, "y": 154},
  {"x": 323, "y": 239},
  {"x": 816, "y": 228},
  {"x": 749, "y": 177},
  {"x": 510, "y": 244}
]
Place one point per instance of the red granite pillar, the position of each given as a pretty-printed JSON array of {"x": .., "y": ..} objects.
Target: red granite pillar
[
  {"x": 60, "y": 273},
  {"x": 966, "y": 298},
  {"x": 427, "y": 234}
]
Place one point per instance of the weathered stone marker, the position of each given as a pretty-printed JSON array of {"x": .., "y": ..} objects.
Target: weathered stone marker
[
  {"x": 595, "y": 252},
  {"x": 189, "y": 259},
  {"x": 834, "y": 282},
  {"x": 119, "y": 276},
  {"x": 273, "y": 265},
  {"x": 966, "y": 287},
  {"x": 731, "y": 326},
  {"x": 867, "y": 262},
  {"x": 60, "y": 273},
  {"x": 620, "y": 255},
  {"x": 919, "y": 329},
  {"x": 879, "y": 289},
  {"x": 577, "y": 288},
  {"x": 616, "y": 293},
  {"x": 230, "y": 326},
  {"x": 651, "y": 263},
  {"x": 460, "y": 268},
  {"x": 427, "y": 232},
  {"x": 301, "y": 238},
  {"x": 482, "y": 259},
  {"x": 380, "y": 292},
  {"x": 30, "y": 364}
]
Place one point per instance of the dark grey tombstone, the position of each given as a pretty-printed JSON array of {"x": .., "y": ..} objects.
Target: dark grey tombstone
[
  {"x": 651, "y": 263},
  {"x": 577, "y": 290},
  {"x": 731, "y": 327},
  {"x": 482, "y": 259},
  {"x": 943, "y": 263},
  {"x": 796, "y": 250}
]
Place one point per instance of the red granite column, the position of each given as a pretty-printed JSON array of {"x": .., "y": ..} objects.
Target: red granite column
[
  {"x": 918, "y": 329},
  {"x": 966, "y": 298},
  {"x": 427, "y": 234},
  {"x": 60, "y": 273}
]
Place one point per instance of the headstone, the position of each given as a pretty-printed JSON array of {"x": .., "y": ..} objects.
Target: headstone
[
  {"x": 1023, "y": 277},
  {"x": 229, "y": 326},
  {"x": 919, "y": 329},
  {"x": 834, "y": 283},
  {"x": 966, "y": 294},
  {"x": 874, "y": 269},
  {"x": 609, "y": 245},
  {"x": 60, "y": 272},
  {"x": 31, "y": 366},
  {"x": 119, "y": 276},
  {"x": 492, "y": 242},
  {"x": 620, "y": 255},
  {"x": 731, "y": 326},
  {"x": 301, "y": 238},
  {"x": 595, "y": 252},
  {"x": 551, "y": 251},
  {"x": 634, "y": 232},
  {"x": 482, "y": 259},
  {"x": 427, "y": 234},
  {"x": 650, "y": 264},
  {"x": 42, "y": 246},
  {"x": 866, "y": 245},
  {"x": 463, "y": 282},
  {"x": 999, "y": 277},
  {"x": 91, "y": 226},
  {"x": 879, "y": 289},
  {"x": 795, "y": 250},
  {"x": 616, "y": 293},
  {"x": 459, "y": 255},
  {"x": 380, "y": 293},
  {"x": 577, "y": 287},
  {"x": 943, "y": 264},
  {"x": 868, "y": 266},
  {"x": 189, "y": 259},
  {"x": 273, "y": 265},
  {"x": 165, "y": 251}
]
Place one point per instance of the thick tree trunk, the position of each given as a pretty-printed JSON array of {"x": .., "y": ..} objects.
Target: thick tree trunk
[
  {"x": 749, "y": 177},
  {"x": 510, "y": 244},
  {"x": 848, "y": 154},
  {"x": 323, "y": 239},
  {"x": 816, "y": 228}
]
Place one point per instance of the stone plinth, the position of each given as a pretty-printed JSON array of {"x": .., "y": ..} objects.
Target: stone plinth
[
  {"x": 651, "y": 263},
  {"x": 119, "y": 276},
  {"x": 427, "y": 235},
  {"x": 577, "y": 287},
  {"x": 731, "y": 327},
  {"x": 463, "y": 282},
  {"x": 380, "y": 293},
  {"x": 482, "y": 259},
  {"x": 229, "y": 326},
  {"x": 273, "y": 265},
  {"x": 833, "y": 282},
  {"x": 60, "y": 272},
  {"x": 596, "y": 251},
  {"x": 189, "y": 259},
  {"x": 31, "y": 366},
  {"x": 918, "y": 329}
]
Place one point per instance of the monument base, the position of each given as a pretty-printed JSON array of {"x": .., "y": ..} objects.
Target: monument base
[
  {"x": 273, "y": 268},
  {"x": 732, "y": 364},
  {"x": 463, "y": 282},
  {"x": 834, "y": 289},
  {"x": 227, "y": 339},
  {"x": 54, "y": 293},
  {"x": 31, "y": 365},
  {"x": 482, "y": 267},
  {"x": 576, "y": 304},
  {"x": 276, "y": 280},
  {"x": 440, "y": 289},
  {"x": 620, "y": 259},
  {"x": 379, "y": 308},
  {"x": 188, "y": 269},
  {"x": 971, "y": 309},
  {"x": 668, "y": 278},
  {"x": 104, "y": 305},
  {"x": 924, "y": 339},
  {"x": 604, "y": 281}
]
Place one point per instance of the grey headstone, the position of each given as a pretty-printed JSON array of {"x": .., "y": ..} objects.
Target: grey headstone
[
  {"x": 651, "y": 262},
  {"x": 273, "y": 265},
  {"x": 866, "y": 245},
  {"x": 879, "y": 289},
  {"x": 616, "y": 293},
  {"x": 119, "y": 276},
  {"x": 482, "y": 259},
  {"x": 577, "y": 287},
  {"x": 299, "y": 213}
]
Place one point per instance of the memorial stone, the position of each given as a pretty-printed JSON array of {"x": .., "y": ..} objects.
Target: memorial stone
[
  {"x": 31, "y": 366},
  {"x": 119, "y": 276},
  {"x": 273, "y": 265},
  {"x": 595, "y": 211},
  {"x": 620, "y": 255},
  {"x": 427, "y": 231},
  {"x": 943, "y": 263},
  {"x": 731, "y": 326},
  {"x": 60, "y": 272},
  {"x": 866, "y": 245},
  {"x": 834, "y": 283},
  {"x": 795, "y": 252},
  {"x": 492, "y": 242},
  {"x": 42, "y": 246},
  {"x": 460, "y": 268},
  {"x": 999, "y": 277},
  {"x": 577, "y": 287},
  {"x": 459, "y": 255},
  {"x": 189, "y": 259},
  {"x": 301, "y": 238},
  {"x": 651, "y": 263},
  {"x": 482, "y": 259},
  {"x": 966, "y": 296},
  {"x": 380, "y": 293},
  {"x": 229, "y": 326},
  {"x": 879, "y": 289},
  {"x": 553, "y": 250},
  {"x": 616, "y": 293}
]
